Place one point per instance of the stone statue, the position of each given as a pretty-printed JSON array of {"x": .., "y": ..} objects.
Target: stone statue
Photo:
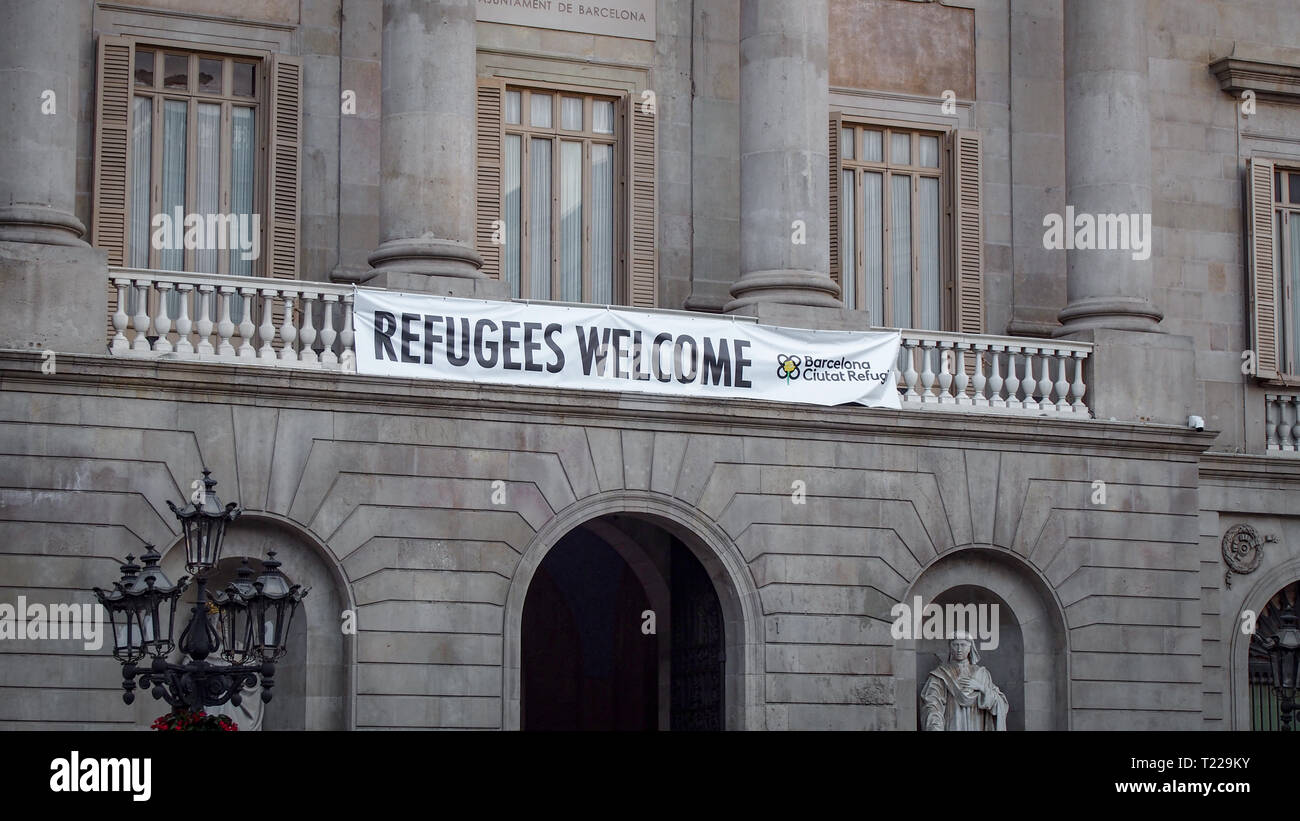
[{"x": 960, "y": 695}]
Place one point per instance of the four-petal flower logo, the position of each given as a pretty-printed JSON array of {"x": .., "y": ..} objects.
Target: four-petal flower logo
[{"x": 787, "y": 367}]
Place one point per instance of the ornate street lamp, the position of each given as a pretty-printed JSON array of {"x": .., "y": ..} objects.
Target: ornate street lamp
[
  {"x": 252, "y": 616},
  {"x": 1283, "y": 646}
]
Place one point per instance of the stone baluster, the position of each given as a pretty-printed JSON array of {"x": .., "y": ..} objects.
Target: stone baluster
[
  {"x": 307, "y": 333},
  {"x": 962, "y": 380},
  {"x": 981, "y": 380},
  {"x": 1062, "y": 385},
  {"x": 1013, "y": 378},
  {"x": 120, "y": 318},
  {"x": 204, "y": 312},
  {"x": 141, "y": 342},
  {"x": 910, "y": 375},
  {"x": 225, "y": 327},
  {"x": 328, "y": 334},
  {"x": 287, "y": 331},
  {"x": 927, "y": 372},
  {"x": 1078, "y": 389},
  {"x": 349, "y": 356},
  {"x": 183, "y": 323},
  {"x": 945, "y": 373},
  {"x": 246, "y": 328},
  {"x": 162, "y": 323},
  {"x": 266, "y": 331},
  {"x": 995, "y": 379},
  {"x": 1045, "y": 378}
]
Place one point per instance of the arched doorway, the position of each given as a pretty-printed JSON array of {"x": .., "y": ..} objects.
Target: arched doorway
[
  {"x": 622, "y": 628},
  {"x": 1265, "y": 705}
]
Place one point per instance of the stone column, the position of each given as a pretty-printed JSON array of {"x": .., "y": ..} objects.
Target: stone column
[
  {"x": 784, "y": 163},
  {"x": 1107, "y": 160},
  {"x": 427, "y": 163},
  {"x": 55, "y": 285}
]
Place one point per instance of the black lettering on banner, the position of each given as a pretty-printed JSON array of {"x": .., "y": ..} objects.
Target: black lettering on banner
[
  {"x": 741, "y": 364},
  {"x": 408, "y": 336},
  {"x": 619, "y": 335},
  {"x": 508, "y": 345},
  {"x": 716, "y": 368},
  {"x": 459, "y": 359},
  {"x": 639, "y": 359},
  {"x": 385, "y": 327},
  {"x": 591, "y": 351},
  {"x": 657, "y": 357},
  {"x": 682, "y": 342},
  {"x": 551, "y": 330},
  {"x": 482, "y": 345},
  {"x": 530, "y": 346},
  {"x": 430, "y": 336}
]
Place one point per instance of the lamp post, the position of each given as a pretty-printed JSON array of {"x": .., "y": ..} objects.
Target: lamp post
[
  {"x": 1283, "y": 647},
  {"x": 253, "y": 616}
]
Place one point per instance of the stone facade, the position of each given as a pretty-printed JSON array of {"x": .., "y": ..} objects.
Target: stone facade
[{"x": 426, "y": 509}]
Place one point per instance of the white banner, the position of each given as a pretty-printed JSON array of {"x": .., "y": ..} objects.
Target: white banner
[{"x": 512, "y": 343}]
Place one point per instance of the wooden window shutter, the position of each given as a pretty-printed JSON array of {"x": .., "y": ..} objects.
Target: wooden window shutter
[
  {"x": 837, "y": 167},
  {"x": 1263, "y": 276},
  {"x": 488, "y": 174},
  {"x": 968, "y": 233},
  {"x": 283, "y": 167},
  {"x": 112, "y": 174},
  {"x": 642, "y": 249}
]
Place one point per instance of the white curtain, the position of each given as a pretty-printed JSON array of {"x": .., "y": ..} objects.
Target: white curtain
[
  {"x": 848, "y": 247},
  {"x": 1293, "y": 275},
  {"x": 539, "y": 216},
  {"x": 900, "y": 256},
  {"x": 873, "y": 240},
  {"x": 141, "y": 153},
  {"x": 571, "y": 221},
  {"x": 173, "y": 176},
  {"x": 602, "y": 224},
  {"x": 928, "y": 216},
  {"x": 513, "y": 224},
  {"x": 207, "y": 182},
  {"x": 243, "y": 150}
]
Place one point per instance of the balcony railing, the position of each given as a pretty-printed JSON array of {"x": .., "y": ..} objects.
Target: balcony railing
[
  {"x": 1282, "y": 422},
  {"x": 232, "y": 319},
  {"x": 309, "y": 325},
  {"x": 996, "y": 374}
]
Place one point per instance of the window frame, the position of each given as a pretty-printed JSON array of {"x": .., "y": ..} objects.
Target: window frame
[
  {"x": 556, "y": 135},
  {"x": 1283, "y": 211},
  {"x": 944, "y": 172},
  {"x": 193, "y": 96}
]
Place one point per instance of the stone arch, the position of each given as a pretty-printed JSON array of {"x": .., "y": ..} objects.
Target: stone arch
[
  {"x": 328, "y": 670},
  {"x": 1264, "y": 588},
  {"x": 727, "y": 569},
  {"x": 1020, "y": 587}
]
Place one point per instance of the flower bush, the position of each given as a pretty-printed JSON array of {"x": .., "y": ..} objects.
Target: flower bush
[{"x": 180, "y": 719}]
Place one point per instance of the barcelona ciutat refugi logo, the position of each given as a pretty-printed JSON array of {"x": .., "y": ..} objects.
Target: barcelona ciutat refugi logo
[{"x": 787, "y": 367}]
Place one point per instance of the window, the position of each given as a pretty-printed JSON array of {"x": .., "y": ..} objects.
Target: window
[
  {"x": 566, "y": 193},
  {"x": 1286, "y": 262},
  {"x": 205, "y": 132},
  {"x": 906, "y": 226},
  {"x": 890, "y": 216},
  {"x": 194, "y": 150},
  {"x": 558, "y": 192}
]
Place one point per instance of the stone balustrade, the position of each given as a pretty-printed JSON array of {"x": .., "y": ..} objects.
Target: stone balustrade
[
  {"x": 1034, "y": 377},
  {"x": 232, "y": 319},
  {"x": 1282, "y": 422},
  {"x": 309, "y": 324}
]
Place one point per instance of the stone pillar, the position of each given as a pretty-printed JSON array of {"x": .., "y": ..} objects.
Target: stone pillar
[
  {"x": 55, "y": 285},
  {"x": 784, "y": 163},
  {"x": 1107, "y": 160},
  {"x": 427, "y": 163},
  {"x": 1137, "y": 372}
]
